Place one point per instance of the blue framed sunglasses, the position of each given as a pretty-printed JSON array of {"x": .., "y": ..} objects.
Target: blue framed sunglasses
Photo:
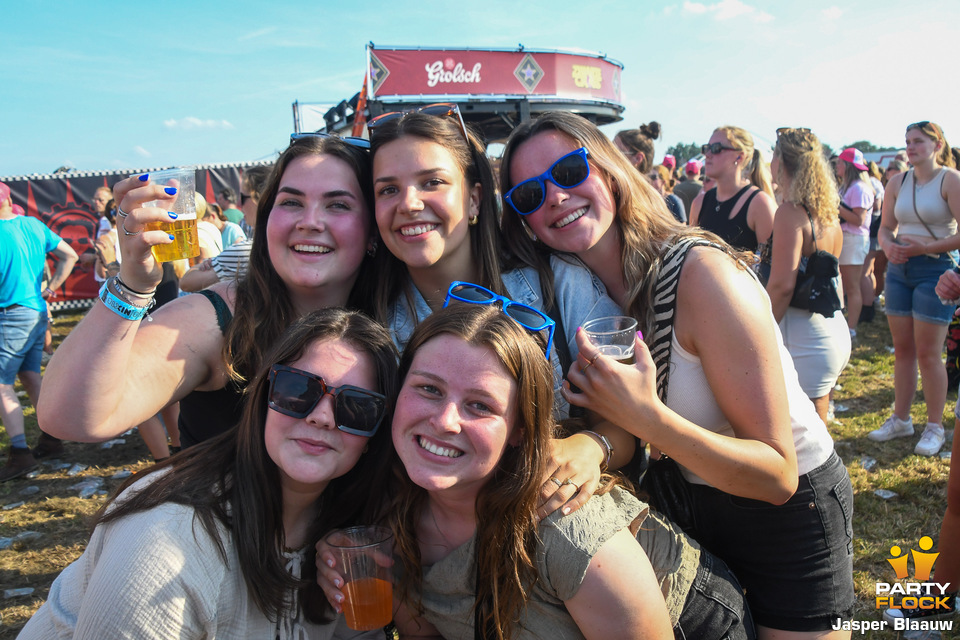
[
  {"x": 296, "y": 393},
  {"x": 567, "y": 172},
  {"x": 526, "y": 316}
]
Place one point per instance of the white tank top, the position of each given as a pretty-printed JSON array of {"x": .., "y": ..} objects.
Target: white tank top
[
  {"x": 690, "y": 396},
  {"x": 930, "y": 204}
]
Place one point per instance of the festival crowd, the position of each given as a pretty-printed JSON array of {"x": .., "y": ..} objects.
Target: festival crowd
[{"x": 389, "y": 331}]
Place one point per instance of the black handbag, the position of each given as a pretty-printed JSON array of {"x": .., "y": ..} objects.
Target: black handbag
[{"x": 816, "y": 287}]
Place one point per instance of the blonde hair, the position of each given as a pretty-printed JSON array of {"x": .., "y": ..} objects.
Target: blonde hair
[
  {"x": 754, "y": 168},
  {"x": 812, "y": 185},
  {"x": 666, "y": 177}
]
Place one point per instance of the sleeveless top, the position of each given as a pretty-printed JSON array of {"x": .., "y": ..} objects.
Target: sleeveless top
[
  {"x": 929, "y": 203},
  {"x": 205, "y": 414},
  {"x": 715, "y": 217}
]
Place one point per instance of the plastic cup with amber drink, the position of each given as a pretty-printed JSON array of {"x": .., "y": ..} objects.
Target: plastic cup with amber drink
[
  {"x": 364, "y": 557},
  {"x": 613, "y": 336},
  {"x": 184, "y": 229}
]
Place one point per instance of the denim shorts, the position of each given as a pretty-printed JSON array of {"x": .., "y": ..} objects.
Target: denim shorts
[
  {"x": 910, "y": 289},
  {"x": 795, "y": 560},
  {"x": 715, "y": 607},
  {"x": 21, "y": 341}
]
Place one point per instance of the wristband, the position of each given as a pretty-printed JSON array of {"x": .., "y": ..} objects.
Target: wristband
[
  {"x": 121, "y": 307},
  {"x": 605, "y": 443}
]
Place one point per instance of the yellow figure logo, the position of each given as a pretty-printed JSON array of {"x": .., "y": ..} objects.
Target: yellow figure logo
[{"x": 922, "y": 562}]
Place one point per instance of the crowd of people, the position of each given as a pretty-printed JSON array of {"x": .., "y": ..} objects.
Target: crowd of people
[{"x": 390, "y": 331}]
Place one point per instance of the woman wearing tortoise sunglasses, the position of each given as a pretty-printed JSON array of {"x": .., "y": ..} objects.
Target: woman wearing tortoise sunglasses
[
  {"x": 918, "y": 233},
  {"x": 748, "y": 440},
  {"x": 218, "y": 542},
  {"x": 314, "y": 229},
  {"x": 437, "y": 209}
]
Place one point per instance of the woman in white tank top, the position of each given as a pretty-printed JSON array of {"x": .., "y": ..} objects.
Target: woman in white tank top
[{"x": 918, "y": 233}]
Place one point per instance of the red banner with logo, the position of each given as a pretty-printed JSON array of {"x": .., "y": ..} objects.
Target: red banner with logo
[
  {"x": 415, "y": 72},
  {"x": 63, "y": 203}
]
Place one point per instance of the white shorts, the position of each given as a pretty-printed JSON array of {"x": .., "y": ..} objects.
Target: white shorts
[
  {"x": 855, "y": 249},
  {"x": 820, "y": 348}
]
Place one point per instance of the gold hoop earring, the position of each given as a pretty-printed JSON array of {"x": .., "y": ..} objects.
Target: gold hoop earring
[{"x": 473, "y": 220}]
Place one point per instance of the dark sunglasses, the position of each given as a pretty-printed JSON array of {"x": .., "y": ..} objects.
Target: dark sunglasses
[
  {"x": 923, "y": 124},
  {"x": 353, "y": 141},
  {"x": 783, "y": 130},
  {"x": 567, "y": 172},
  {"x": 244, "y": 197},
  {"x": 526, "y": 316},
  {"x": 715, "y": 148},
  {"x": 296, "y": 393},
  {"x": 439, "y": 109},
  {"x": 654, "y": 176}
]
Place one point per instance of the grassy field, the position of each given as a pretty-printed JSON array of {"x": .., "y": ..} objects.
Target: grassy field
[{"x": 60, "y": 516}]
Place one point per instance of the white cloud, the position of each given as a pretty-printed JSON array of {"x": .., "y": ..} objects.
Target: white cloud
[
  {"x": 727, "y": 10},
  {"x": 257, "y": 34},
  {"x": 833, "y": 13},
  {"x": 191, "y": 123},
  {"x": 140, "y": 151}
]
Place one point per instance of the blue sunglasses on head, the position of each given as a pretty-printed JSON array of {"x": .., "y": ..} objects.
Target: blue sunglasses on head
[
  {"x": 525, "y": 315},
  {"x": 567, "y": 172}
]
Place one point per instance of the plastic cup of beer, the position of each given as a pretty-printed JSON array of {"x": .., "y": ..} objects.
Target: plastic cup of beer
[
  {"x": 185, "y": 243},
  {"x": 364, "y": 557},
  {"x": 613, "y": 336}
]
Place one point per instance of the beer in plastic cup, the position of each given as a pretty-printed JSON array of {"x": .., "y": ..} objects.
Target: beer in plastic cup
[
  {"x": 185, "y": 243},
  {"x": 613, "y": 336},
  {"x": 364, "y": 559}
]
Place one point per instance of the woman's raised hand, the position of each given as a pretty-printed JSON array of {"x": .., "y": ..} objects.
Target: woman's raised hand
[
  {"x": 574, "y": 475},
  {"x": 138, "y": 269}
]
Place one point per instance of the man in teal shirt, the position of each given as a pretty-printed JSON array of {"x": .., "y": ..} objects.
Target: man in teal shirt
[{"x": 24, "y": 245}]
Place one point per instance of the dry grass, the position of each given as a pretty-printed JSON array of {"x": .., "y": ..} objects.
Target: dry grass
[{"x": 867, "y": 390}]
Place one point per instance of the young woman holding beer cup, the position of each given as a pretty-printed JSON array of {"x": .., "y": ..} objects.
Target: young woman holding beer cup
[
  {"x": 218, "y": 542},
  {"x": 116, "y": 369},
  {"x": 734, "y": 411}
]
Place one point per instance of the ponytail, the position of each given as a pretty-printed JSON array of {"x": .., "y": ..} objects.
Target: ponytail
[{"x": 759, "y": 173}]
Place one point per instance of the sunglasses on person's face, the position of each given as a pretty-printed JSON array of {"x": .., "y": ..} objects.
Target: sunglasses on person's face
[
  {"x": 440, "y": 109},
  {"x": 297, "y": 393},
  {"x": 567, "y": 172},
  {"x": 715, "y": 147},
  {"x": 923, "y": 124},
  {"x": 244, "y": 197},
  {"x": 353, "y": 141},
  {"x": 653, "y": 177},
  {"x": 783, "y": 130},
  {"x": 526, "y": 316}
]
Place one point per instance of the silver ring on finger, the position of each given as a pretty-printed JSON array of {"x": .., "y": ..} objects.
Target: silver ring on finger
[
  {"x": 556, "y": 481},
  {"x": 572, "y": 483},
  {"x": 123, "y": 225},
  {"x": 121, "y": 213}
]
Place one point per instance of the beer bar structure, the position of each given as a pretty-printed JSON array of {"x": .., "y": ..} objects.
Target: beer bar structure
[{"x": 495, "y": 88}]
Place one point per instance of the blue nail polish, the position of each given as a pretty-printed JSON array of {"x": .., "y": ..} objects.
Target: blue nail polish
[
  {"x": 170, "y": 191},
  {"x": 172, "y": 215},
  {"x": 170, "y": 235},
  {"x": 144, "y": 177}
]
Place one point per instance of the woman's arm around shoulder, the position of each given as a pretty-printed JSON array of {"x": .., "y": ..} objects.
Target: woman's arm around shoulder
[
  {"x": 619, "y": 596},
  {"x": 760, "y": 215},
  {"x": 111, "y": 374},
  {"x": 788, "y": 231}
]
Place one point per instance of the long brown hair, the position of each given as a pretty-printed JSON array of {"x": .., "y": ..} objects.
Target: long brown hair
[
  {"x": 641, "y": 140},
  {"x": 231, "y": 482},
  {"x": 505, "y": 559},
  {"x": 933, "y": 131},
  {"x": 263, "y": 307},
  {"x": 486, "y": 244},
  {"x": 645, "y": 227}
]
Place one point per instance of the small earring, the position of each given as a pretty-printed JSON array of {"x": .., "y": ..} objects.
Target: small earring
[
  {"x": 473, "y": 221},
  {"x": 528, "y": 230},
  {"x": 372, "y": 251}
]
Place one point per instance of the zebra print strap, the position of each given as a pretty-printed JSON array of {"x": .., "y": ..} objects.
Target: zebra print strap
[{"x": 664, "y": 303}]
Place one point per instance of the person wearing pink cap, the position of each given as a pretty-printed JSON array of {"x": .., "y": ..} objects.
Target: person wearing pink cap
[
  {"x": 24, "y": 245},
  {"x": 918, "y": 233},
  {"x": 689, "y": 188},
  {"x": 856, "y": 204}
]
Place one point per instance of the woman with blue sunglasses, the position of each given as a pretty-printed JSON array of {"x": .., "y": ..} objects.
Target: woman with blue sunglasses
[
  {"x": 437, "y": 210},
  {"x": 768, "y": 494},
  {"x": 218, "y": 542}
]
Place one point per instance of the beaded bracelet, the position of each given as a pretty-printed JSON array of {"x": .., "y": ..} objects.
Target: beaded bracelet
[
  {"x": 605, "y": 443},
  {"x": 116, "y": 302}
]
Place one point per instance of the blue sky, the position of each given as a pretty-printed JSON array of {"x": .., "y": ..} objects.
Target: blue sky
[{"x": 110, "y": 85}]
